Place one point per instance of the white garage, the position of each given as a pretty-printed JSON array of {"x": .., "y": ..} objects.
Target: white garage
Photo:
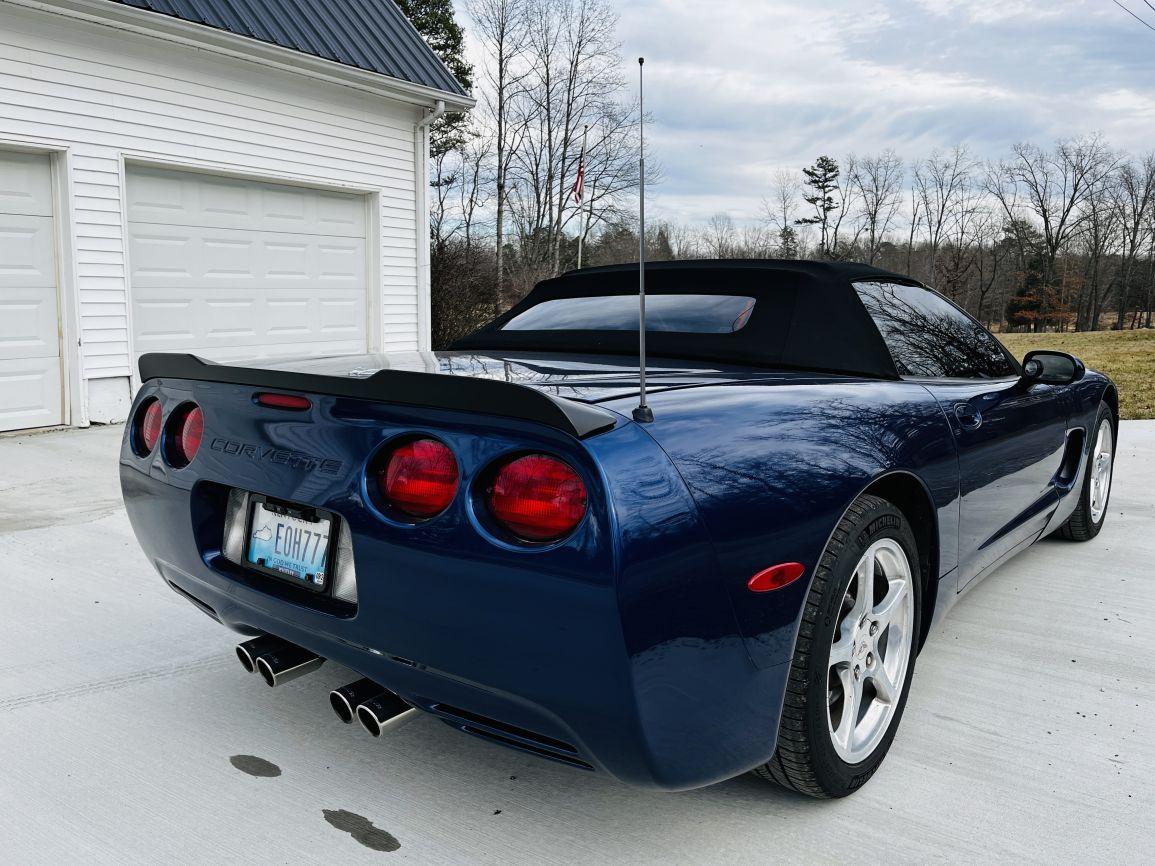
[
  {"x": 30, "y": 368},
  {"x": 228, "y": 269},
  {"x": 188, "y": 178}
]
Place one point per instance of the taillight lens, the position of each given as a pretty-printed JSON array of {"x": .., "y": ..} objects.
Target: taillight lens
[
  {"x": 419, "y": 478},
  {"x": 186, "y": 428},
  {"x": 148, "y": 426},
  {"x": 537, "y": 498}
]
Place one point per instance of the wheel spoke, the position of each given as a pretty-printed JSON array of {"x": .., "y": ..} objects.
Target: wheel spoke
[
  {"x": 851, "y": 698},
  {"x": 885, "y": 610},
  {"x": 842, "y": 651},
  {"x": 864, "y": 577},
  {"x": 883, "y": 685}
]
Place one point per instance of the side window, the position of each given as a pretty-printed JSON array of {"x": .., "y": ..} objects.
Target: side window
[{"x": 929, "y": 336}]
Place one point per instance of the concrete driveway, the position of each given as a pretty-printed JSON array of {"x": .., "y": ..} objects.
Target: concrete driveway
[{"x": 1028, "y": 736}]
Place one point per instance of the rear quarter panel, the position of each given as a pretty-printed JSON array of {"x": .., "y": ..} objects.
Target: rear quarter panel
[{"x": 772, "y": 468}]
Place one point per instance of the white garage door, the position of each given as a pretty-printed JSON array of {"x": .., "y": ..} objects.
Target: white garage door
[
  {"x": 30, "y": 382},
  {"x": 231, "y": 269}
]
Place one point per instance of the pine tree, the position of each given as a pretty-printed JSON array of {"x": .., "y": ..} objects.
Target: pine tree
[
  {"x": 822, "y": 177},
  {"x": 787, "y": 243},
  {"x": 435, "y": 22}
]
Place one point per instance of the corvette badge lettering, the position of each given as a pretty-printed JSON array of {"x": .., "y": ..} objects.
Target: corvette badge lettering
[{"x": 295, "y": 459}]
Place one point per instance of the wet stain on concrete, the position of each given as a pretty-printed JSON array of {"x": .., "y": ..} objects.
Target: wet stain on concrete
[
  {"x": 361, "y": 829},
  {"x": 255, "y": 766}
]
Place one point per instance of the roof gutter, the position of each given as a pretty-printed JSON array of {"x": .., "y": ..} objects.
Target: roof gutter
[
  {"x": 205, "y": 38},
  {"x": 438, "y": 110}
]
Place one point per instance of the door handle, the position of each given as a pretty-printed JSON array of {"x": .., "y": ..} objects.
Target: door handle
[{"x": 969, "y": 418}]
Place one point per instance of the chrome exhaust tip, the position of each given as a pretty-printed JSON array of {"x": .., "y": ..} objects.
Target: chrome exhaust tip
[
  {"x": 282, "y": 665},
  {"x": 346, "y": 699},
  {"x": 249, "y": 651},
  {"x": 384, "y": 711}
]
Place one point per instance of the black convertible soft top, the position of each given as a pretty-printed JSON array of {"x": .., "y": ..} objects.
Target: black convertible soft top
[{"x": 806, "y": 315}]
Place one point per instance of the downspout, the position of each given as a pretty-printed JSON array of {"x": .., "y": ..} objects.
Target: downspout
[
  {"x": 438, "y": 110},
  {"x": 421, "y": 160}
]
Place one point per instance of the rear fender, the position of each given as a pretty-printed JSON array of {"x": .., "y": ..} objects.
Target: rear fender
[{"x": 773, "y": 468}]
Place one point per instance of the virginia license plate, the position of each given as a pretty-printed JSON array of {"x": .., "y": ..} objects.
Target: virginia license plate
[{"x": 290, "y": 543}]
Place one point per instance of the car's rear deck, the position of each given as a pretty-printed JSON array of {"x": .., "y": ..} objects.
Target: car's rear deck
[{"x": 1027, "y": 734}]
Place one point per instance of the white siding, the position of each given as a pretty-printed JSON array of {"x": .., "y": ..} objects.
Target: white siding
[{"x": 108, "y": 96}]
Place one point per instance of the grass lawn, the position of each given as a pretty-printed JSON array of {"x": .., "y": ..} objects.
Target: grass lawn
[{"x": 1128, "y": 357}]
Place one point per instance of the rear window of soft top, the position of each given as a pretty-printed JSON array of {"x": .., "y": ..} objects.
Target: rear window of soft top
[{"x": 684, "y": 313}]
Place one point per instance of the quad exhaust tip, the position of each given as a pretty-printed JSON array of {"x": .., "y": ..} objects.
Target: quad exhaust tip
[
  {"x": 277, "y": 660},
  {"x": 382, "y": 712},
  {"x": 249, "y": 651},
  {"x": 346, "y": 699}
]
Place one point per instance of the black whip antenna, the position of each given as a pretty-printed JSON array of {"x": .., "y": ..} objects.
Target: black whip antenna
[{"x": 642, "y": 412}]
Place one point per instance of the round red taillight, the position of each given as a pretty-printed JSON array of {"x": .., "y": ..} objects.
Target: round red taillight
[
  {"x": 148, "y": 426},
  {"x": 187, "y": 427},
  {"x": 419, "y": 478},
  {"x": 537, "y": 498}
]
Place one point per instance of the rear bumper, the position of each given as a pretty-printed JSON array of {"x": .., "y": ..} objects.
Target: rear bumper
[{"x": 625, "y": 661}]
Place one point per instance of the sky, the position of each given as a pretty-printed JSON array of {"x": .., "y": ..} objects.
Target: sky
[{"x": 739, "y": 88}]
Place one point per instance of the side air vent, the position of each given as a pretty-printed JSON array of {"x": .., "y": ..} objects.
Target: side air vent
[
  {"x": 205, "y": 607},
  {"x": 1072, "y": 458},
  {"x": 510, "y": 735}
]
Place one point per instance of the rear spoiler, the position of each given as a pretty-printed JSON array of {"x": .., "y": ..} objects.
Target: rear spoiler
[{"x": 400, "y": 387}]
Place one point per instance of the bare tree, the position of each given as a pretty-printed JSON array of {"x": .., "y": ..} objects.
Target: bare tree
[
  {"x": 941, "y": 181},
  {"x": 1135, "y": 203},
  {"x": 719, "y": 236},
  {"x": 781, "y": 210},
  {"x": 845, "y": 216},
  {"x": 990, "y": 255},
  {"x": 915, "y": 222},
  {"x": 501, "y": 27},
  {"x": 473, "y": 190},
  {"x": 878, "y": 180},
  {"x": 1050, "y": 186}
]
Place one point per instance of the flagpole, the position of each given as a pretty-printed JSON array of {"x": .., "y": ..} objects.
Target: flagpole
[{"x": 582, "y": 210}]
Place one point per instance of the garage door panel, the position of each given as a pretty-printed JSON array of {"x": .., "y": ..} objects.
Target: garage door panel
[
  {"x": 29, "y": 393},
  {"x": 167, "y": 319},
  {"x": 27, "y": 251},
  {"x": 25, "y": 185},
  {"x": 160, "y": 197},
  {"x": 206, "y": 259},
  {"x": 28, "y": 323}
]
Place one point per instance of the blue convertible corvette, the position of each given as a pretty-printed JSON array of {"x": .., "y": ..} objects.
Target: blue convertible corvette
[{"x": 742, "y": 583}]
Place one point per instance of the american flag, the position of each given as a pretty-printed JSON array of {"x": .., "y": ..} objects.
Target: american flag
[{"x": 580, "y": 182}]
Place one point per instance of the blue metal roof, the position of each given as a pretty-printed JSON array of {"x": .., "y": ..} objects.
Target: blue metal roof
[{"x": 373, "y": 35}]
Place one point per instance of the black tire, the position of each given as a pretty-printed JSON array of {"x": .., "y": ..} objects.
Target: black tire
[
  {"x": 1080, "y": 526},
  {"x": 805, "y": 759}
]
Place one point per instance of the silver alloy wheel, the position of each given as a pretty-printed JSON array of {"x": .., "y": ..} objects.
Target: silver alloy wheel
[
  {"x": 870, "y": 652},
  {"x": 1102, "y": 460}
]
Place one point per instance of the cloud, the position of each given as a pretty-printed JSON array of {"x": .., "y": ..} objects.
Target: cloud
[{"x": 740, "y": 88}]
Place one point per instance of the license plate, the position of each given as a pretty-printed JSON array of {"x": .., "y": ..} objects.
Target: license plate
[{"x": 290, "y": 542}]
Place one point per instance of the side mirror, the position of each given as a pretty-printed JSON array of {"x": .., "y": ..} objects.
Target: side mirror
[{"x": 1052, "y": 368}]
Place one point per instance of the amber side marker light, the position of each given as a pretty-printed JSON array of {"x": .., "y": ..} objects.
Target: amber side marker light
[{"x": 776, "y": 577}]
